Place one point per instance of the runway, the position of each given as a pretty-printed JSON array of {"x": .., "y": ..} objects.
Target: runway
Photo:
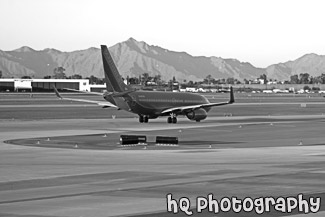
[
  {"x": 243, "y": 156},
  {"x": 44, "y": 181}
]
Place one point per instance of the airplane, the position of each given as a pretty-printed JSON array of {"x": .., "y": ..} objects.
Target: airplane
[{"x": 148, "y": 104}]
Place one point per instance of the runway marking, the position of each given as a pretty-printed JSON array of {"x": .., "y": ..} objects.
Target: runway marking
[
  {"x": 62, "y": 191},
  {"x": 170, "y": 145},
  {"x": 317, "y": 171},
  {"x": 284, "y": 125},
  {"x": 315, "y": 154},
  {"x": 318, "y": 214},
  {"x": 179, "y": 127},
  {"x": 278, "y": 103},
  {"x": 214, "y": 130},
  {"x": 134, "y": 145}
]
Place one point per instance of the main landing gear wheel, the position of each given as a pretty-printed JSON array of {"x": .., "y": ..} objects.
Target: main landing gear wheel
[
  {"x": 143, "y": 119},
  {"x": 171, "y": 120}
]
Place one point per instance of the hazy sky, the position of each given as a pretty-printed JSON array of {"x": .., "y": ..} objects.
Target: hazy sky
[{"x": 261, "y": 32}]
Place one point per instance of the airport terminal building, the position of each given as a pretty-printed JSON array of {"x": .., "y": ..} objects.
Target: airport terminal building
[{"x": 43, "y": 85}]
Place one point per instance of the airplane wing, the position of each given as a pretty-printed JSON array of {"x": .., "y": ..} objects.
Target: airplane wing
[
  {"x": 100, "y": 103},
  {"x": 206, "y": 105}
]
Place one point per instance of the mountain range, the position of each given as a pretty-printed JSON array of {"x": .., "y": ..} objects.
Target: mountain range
[{"x": 133, "y": 58}]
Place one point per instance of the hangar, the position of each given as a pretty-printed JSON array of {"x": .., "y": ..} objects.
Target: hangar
[{"x": 43, "y": 85}]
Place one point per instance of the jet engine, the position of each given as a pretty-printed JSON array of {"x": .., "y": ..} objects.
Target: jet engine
[{"x": 197, "y": 115}]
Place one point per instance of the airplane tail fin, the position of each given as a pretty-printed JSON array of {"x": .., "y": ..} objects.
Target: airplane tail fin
[{"x": 114, "y": 81}]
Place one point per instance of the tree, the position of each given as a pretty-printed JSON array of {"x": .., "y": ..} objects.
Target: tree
[
  {"x": 221, "y": 81},
  {"x": 322, "y": 78},
  {"x": 59, "y": 73},
  {"x": 174, "y": 80},
  {"x": 317, "y": 80},
  {"x": 190, "y": 83},
  {"x": 208, "y": 79},
  {"x": 0, "y": 74},
  {"x": 230, "y": 81},
  {"x": 294, "y": 79},
  {"x": 304, "y": 78},
  {"x": 76, "y": 76},
  {"x": 306, "y": 88},
  {"x": 171, "y": 83},
  {"x": 264, "y": 77},
  {"x": 134, "y": 80},
  {"x": 47, "y": 77},
  {"x": 94, "y": 80},
  {"x": 157, "y": 79},
  {"x": 145, "y": 78},
  {"x": 26, "y": 77}
]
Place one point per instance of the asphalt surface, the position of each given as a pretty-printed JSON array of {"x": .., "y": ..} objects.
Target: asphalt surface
[{"x": 70, "y": 163}]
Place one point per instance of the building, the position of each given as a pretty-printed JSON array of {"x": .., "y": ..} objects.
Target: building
[
  {"x": 97, "y": 87},
  {"x": 43, "y": 85}
]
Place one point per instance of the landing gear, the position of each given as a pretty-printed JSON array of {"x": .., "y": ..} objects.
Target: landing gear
[
  {"x": 143, "y": 119},
  {"x": 172, "y": 119}
]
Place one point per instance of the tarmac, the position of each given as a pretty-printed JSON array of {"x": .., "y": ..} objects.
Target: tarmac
[{"x": 76, "y": 167}]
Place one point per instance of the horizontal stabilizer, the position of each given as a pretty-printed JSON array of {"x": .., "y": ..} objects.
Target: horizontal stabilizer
[
  {"x": 100, "y": 103},
  {"x": 57, "y": 92}
]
